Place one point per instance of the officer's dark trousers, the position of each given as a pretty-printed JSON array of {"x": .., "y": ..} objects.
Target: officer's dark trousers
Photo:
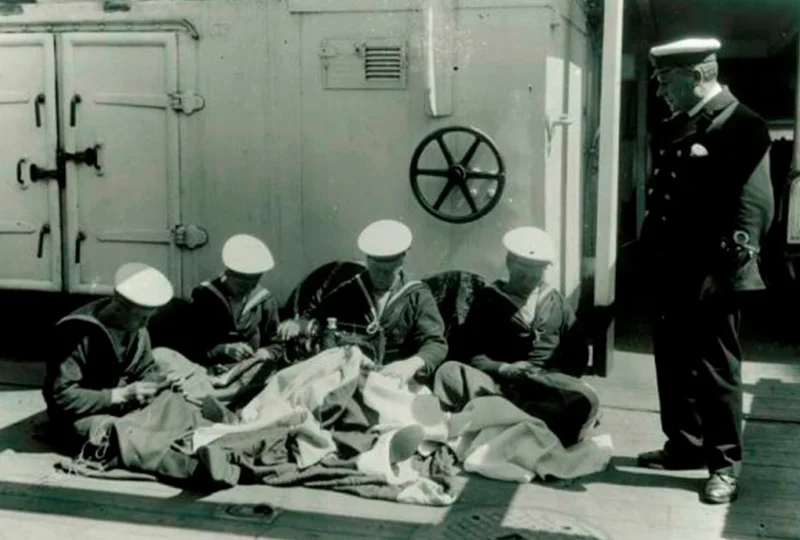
[{"x": 698, "y": 364}]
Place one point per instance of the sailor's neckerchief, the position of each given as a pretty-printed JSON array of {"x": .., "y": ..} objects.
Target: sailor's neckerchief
[
  {"x": 255, "y": 298},
  {"x": 526, "y": 313},
  {"x": 377, "y": 312}
]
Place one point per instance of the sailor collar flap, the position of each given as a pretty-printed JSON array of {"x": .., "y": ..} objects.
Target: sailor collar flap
[
  {"x": 526, "y": 314},
  {"x": 256, "y": 298},
  {"x": 88, "y": 318}
]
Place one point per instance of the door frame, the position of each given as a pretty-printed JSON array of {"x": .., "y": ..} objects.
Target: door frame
[{"x": 607, "y": 189}]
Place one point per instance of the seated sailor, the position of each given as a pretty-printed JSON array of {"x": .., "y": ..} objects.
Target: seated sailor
[
  {"x": 398, "y": 317},
  {"x": 521, "y": 339},
  {"x": 102, "y": 365},
  {"x": 236, "y": 318}
]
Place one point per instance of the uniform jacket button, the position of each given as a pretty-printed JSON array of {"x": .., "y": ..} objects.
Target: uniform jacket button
[
  {"x": 656, "y": 171},
  {"x": 667, "y": 197},
  {"x": 678, "y": 153},
  {"x": 673, "y": 175},
  {"x": 661, "y": 152},
  {"x": 650, "y": 191}
]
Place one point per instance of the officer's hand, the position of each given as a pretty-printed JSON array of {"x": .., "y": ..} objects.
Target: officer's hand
[
  {"x": 290, "y": 329},
  {"x": 516, "y": 370},
  {"x": 709, "y": 288}
]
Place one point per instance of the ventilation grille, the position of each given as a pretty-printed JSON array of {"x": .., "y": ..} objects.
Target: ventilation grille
[
  {"x": 364, "y": 64},
  {"x": 383, "y": 62}
]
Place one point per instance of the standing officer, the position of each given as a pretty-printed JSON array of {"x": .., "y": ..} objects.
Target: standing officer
[{"x": 710, "y": 205}]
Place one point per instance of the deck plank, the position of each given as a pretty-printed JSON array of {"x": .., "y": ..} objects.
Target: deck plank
[{"x": 625, "y": 501}]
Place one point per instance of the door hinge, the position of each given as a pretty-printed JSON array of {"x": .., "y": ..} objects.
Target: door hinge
[
  {"x": 189, "y": 236},
  {"x": 110, "y": 6},
  {"x": 186, "y": 102}
]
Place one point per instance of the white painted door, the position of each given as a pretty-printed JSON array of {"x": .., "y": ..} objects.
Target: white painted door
[
  {"x": 115, "y": 98},
  {"x": 30, "y": 226},
  {"x": 573, "y": 194},
  {"x": 554, "y": 165}
]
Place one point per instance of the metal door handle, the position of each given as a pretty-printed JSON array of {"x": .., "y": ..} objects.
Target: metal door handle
[
  {"x": 38, "y": 102},
  {"x": 37, "y": 173},
  {"x": 20, "y": 164},
  {"x": 78, "y": 239},
  {"x": 43, "y": 231},
  {"x": 73, "y": 104}
]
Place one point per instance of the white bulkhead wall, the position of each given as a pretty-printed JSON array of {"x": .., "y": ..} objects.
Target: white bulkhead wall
[{"x": 275, "y": 154}]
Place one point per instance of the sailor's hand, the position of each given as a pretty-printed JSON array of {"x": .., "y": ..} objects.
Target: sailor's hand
[
  {"x": 177, "y": 382},
  {"x": 515, "y": 370},
  {"x": 403, "y": 370},
  {"x": 219, "y": 381},
  {"x": 141, "y": 393},
  {"x": 234, "y": 351},
  {"x": 290, "y": 329},
  {"x": 263, "y": 354}
]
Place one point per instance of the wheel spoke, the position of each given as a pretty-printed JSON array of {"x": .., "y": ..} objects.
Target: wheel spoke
[
  {"x": 446, "y": 151},
  {"x": 443, "y": 195},
  {"x": 470, "y": 152},
  {"x": 468, "y": 196},
  {"x": 483, "y": 175},
  {"x": 432, "y": 172}
]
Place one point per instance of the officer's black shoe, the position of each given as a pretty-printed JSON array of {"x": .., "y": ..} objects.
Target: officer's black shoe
[
  {"x": 661, "y": 459},
  {"x": 721, "y": 488}
]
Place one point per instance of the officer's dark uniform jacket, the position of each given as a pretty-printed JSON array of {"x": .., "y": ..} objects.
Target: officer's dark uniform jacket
[{"x": 709, "y": 198}]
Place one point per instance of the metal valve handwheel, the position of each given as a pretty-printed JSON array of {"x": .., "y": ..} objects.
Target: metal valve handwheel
[{"x": 457, "y": 175}]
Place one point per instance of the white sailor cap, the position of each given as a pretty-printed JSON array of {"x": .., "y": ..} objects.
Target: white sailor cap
[
  {"x": 385, "y": 239},
  {"x": 247, "y": 255},
  {"x": 684, "y": 52},
  {"x": 142, "y": 285},
  {"x": 530, "y": 243}
]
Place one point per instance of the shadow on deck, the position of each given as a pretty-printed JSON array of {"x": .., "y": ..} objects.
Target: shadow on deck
[{"x": 770, "y": 480}]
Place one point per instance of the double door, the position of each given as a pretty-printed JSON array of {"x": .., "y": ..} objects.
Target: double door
[{"x": 89, "y": 158}]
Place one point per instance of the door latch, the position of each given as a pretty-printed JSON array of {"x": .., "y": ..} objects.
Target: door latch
[
  {"x": 189, "y": 236},
  {"x": 90, "y": 157}
]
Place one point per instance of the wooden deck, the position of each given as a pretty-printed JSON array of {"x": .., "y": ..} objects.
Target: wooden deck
[{"x": 624, "y": 502}]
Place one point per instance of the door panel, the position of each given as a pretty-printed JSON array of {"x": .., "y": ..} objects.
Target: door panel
[
  {"x": 30, "y": 227},
  {"x": 115, "y": 99}
]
